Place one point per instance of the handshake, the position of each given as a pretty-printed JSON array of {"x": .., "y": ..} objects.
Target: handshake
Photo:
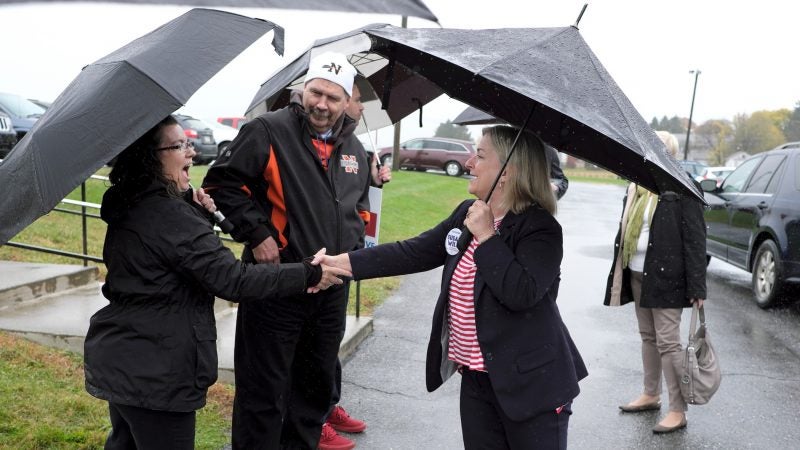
[{"x": 334, "y": 268}]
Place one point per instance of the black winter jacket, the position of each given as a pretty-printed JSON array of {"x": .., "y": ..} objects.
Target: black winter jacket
[
  {"x": 675, "y": 262},
  {"x": 271, "y": 183},
  {"x": 154, "y": 345}
]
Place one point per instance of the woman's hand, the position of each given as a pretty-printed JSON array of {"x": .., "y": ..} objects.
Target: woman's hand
[
  {"x": 699, "y": 302},
  {"x": 331, "y": 274},
  {"x": 480, "y": 221},
  {"x": 201, "y": 198}
]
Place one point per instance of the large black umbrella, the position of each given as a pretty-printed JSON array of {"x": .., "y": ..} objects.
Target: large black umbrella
[
  {"x": 473, "y": 116},
  {"x": 114, "y": 101},
  {"x": 413, "y": 8},
  {"x": 275, "y": 92},
  {"x": 548, "y": 74}
]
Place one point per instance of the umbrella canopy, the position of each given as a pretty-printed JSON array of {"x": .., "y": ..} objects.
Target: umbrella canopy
[
  {"x": 414, "y": 8},
  {"x": 549, "y": 74},
  {"x": 275, "y": 92},
  {"x": 472, "y": 116},
  {"x": 552, "y": 75},
  {"x": 114, "y": 101}
]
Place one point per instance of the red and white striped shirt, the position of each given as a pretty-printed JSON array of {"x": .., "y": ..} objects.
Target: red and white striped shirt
[{"x": 463, "y": 345}]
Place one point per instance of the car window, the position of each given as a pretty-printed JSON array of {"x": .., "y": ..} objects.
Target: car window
[
  {"x": 20, "y": 107},
  {"x": 432, "y": 145},
  {"x": 228, "y": 122},
  {"x": 453, "y": 147},
  {"x": 764, "y": 174},
  {"x": 735, "y": 181},
  {"x": 196, "y": 124},
  {"x": 797, "y": 173},
  {"x": 414, "y": 145}
]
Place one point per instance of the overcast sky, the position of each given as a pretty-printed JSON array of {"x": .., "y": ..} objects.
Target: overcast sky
[{"x": 744, "y": 50}]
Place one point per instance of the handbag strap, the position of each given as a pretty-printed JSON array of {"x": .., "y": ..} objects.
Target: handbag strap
[{"x": 696, "y": 311}]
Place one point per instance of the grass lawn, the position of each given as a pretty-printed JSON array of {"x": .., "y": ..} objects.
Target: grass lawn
[{"x": 43, "y": 404}]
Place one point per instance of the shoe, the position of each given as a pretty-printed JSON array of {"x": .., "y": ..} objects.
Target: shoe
[
  {"x": 341, "y": 421},
  {"x": 660, "y": 429},
  {"x": 330, "y": 440},
  {"x": 640, "y": 408}
]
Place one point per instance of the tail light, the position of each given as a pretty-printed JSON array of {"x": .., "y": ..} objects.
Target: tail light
[{"x": 190, "y": 133}]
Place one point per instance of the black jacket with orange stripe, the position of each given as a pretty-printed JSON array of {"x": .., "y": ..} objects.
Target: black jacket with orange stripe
[{"x": 271, "y": 182}]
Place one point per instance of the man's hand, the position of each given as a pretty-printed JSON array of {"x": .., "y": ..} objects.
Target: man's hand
[
  {"x": 331, "y": 275},
  {"x": 267, "y": 252}
]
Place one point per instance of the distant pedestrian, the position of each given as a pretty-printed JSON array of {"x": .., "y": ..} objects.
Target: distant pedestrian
[
  {"x": 660, "y": 266},
  {"x": 151, "y": 352},
  {"x": 496, "y": 320}
]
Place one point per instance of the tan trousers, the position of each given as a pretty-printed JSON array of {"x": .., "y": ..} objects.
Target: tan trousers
[{"x": 660, "y": 329}]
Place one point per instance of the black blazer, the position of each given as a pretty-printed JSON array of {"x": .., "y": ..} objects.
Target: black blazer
[{"x": 529, "y": 355}]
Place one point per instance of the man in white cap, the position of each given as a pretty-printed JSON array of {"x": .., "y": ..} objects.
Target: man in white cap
[{"x": 293, "y": 181}]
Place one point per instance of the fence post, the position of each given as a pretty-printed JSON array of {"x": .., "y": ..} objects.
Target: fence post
[{"x": 84, "y": 226}]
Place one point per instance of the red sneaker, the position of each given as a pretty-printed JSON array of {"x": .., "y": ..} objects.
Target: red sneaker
[
  {"x": 332, "y": 441},
  {"x": 341, "y": 421}
]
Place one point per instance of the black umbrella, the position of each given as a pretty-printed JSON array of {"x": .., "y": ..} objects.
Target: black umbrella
[
  {"x": 550, "y": 74},
  {"x": 114, "y": 101},
  {"x": 473, "y": 116},
  {"x": 275, "y": 92},
  {"x": 414, "y": 8}
]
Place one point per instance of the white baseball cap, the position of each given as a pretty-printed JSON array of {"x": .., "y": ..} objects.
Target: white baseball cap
[{"x": 333, "y": 67}]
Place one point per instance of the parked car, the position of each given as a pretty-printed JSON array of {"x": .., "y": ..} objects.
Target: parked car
[
  {"x": 41, "y": 103},
  {"x": 23, "y": 112},
  {"x": 753, "y": 221},
  {"x": 693, "y": 168},
  {"x": 8, "y": 137},
  {"x": 233, "y": 122},
  {"x": 202, "y": 135},
  {"x": 449, "y": 155},
  {"x": 715, "y": 173},
  {"x": 223, "y": 134}
]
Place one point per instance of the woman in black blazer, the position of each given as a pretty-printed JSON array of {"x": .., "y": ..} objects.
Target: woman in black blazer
[{"x": 496, "y": 320}]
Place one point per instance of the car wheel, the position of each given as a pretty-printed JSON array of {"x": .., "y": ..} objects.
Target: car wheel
[
  {"x": 767, "y": 274},
  {"x": 453, "y": 168},
  {"x": 387, "y": 160}
]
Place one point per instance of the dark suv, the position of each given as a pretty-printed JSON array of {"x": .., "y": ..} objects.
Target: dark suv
[
  {"x": 753, "y": 220},
  {"x": 449, "y": 155},
  {"x": 203, "y": 137},
  {"x": 8, "y": 137},
  {"x": 23, "y": 112}
]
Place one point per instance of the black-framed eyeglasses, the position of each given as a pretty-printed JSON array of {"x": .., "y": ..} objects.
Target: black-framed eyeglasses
[{"x": 182, "y": 146}]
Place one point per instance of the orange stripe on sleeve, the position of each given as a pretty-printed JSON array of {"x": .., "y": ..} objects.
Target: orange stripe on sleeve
[{"x": 275, "y": 197}]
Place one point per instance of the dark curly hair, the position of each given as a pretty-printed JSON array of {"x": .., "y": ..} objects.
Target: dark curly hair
[{"x": 138, "y": 166}]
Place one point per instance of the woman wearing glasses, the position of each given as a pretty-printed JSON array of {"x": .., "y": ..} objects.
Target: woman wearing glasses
[{"x": 151, "y": 353}]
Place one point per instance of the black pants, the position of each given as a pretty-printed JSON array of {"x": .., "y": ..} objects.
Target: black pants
[
  {"x": 145, "y": 429},
  {"x": 485, "y": 426},
  {"x": 285, "y": 359}
]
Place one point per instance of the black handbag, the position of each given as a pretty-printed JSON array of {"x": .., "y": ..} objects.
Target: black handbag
[{"x": 701, "y": 372}]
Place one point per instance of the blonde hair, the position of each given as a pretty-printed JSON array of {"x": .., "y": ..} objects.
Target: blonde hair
[
  {"x": 670, "y": 141},
  {"x": 528, "y": 172}
]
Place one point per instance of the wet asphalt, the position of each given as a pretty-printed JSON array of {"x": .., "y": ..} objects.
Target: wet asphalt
[{"x": 756, "y": 406}]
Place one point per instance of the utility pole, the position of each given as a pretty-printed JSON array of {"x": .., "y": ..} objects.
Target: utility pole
[{"x": 696, "y": 73}]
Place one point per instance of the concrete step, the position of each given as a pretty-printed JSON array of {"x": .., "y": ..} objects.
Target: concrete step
[{"x": 24, "y": 282}]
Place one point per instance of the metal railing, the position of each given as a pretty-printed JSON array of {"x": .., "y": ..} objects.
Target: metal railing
[{"x": 85, "y": 215}]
